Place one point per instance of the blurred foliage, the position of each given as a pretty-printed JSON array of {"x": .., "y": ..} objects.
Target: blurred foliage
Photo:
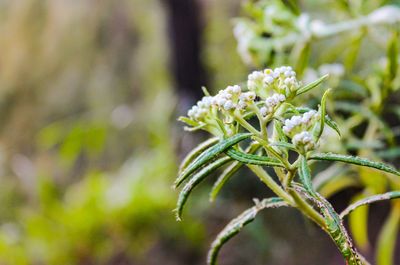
[{"x": 86, "y": 140}]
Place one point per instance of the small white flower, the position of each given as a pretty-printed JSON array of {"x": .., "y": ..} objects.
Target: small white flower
[
  {"x": 269, "y": 79},
  {"x": 255, "y": 76},
  {"x": 264, "y": 111},
  {"x": 236, "y": 89},
  {"x": 229, "y": 105},
  {"x": 304, "y": 139},
  {"x": 242, "y": 105}
]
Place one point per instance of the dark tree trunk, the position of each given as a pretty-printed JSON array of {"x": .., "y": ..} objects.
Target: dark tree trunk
[{"x": 185, "y": 32}]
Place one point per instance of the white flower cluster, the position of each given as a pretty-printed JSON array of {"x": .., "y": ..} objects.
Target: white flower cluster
[
  {"x": 281, "y": 79},
  {"x": 199, "y": 111},
  {"x": 300, "y": 122},
  {"x": 255, "y": 80},
  {"x": 225, "y": 98},
  {"x": 304, "y": 139},
  {"x": 232, "y": 97},
  {"x": 271, "y": 103}
]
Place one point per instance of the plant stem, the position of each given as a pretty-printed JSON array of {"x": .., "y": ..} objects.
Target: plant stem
[
  {"x": 307, "y": 209},
  {"x": 266, "y": 178},
  {"x": 245, "y": 124}
]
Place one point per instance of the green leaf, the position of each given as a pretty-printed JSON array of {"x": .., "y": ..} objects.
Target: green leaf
[
  {"x": 228, "y": 172},
  {"x": 331, "y": 123},
  {"x": 188, "y": 121},
  {"x": 194, "y": 181},
  {"x": 210, "y": 154},
  {"x": 193, "y": 129},
  {"x": 371, "y": 199},
  {"x": 311, "y": 85},
  {"x": 196, "y": 151},
  {"x": 284, "y": 145},
  {"x": 354, "y": 160},
  {"x": 253, "y": 159},
  {"x": 305, "y": 176},
  {"x": 387, "y": 238},
  {"x": 321, "y": 126},
  {"x": 237, "y": 224}
]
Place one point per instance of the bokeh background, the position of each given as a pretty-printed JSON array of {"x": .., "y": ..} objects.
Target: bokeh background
[{"x": 89, "y": 143}]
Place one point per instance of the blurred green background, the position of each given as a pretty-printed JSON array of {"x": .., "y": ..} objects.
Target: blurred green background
[{"x": 89, "y": 143}]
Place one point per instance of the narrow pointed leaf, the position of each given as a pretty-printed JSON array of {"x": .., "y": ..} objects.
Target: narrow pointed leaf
[
  {"x": 210, "y": 154},
  {"x": 195, "y": 152},
  {"x": 331, "y": 123},
  {"x": 237, "y": 224},
  {"x": 323, "y": 114},
  {"x": 228, "y": 172},
  {"x": 253, "y": 159},
  {"x": 188, "y": 121},
  {"x": 194, "y": 181},
  {"x": 284, "y": 145},
  {"x": 371, "y": 199},
  {"x": 305, "y": 176},
  {"x": 193, "y": 129},
  {"x": 311, "y": 85},
  {"x": 354, "y": 160}
]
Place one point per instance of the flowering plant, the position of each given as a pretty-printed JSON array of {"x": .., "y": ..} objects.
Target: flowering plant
[{"x": 285, "y": 137}]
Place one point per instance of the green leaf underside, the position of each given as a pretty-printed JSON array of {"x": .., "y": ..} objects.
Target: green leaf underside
[
  {"x": 228, "y": 172},
  {"x": 323, "y": 113},
  {"x": 354, "y": 160},
  {"x": 237, "y": 224},
  {"x": 253, "y": 159},
  {"x": 188, "y": 121},
  {"x": 210, "y": 154},
  {"x": 196, "y": 151},
  {"x": 284, "y": 145},
  {"x": 331, "y": 123},
  {"x": 371, "y": 199},
  {"x": 311, "y": 85},
  {"x": 195, "y": 180},
  {"x": 305, "y": 176}
]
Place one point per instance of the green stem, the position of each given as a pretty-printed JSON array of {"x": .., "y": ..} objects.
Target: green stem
[
  {"x": 245, "y": 124},
  {"x": 266, "y": 178}
]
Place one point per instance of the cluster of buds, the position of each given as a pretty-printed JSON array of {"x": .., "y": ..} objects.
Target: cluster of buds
[
  {"x": 233, "y": 98},
  {"x": 300, "y": 123},
  {"x": 298, "y": 127},
  {"x": 200, "y": 111},
  {"x": 281, "y": 80},
  {"x": 304, "y": 140},
  {"x": 271, "y": 103}
]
